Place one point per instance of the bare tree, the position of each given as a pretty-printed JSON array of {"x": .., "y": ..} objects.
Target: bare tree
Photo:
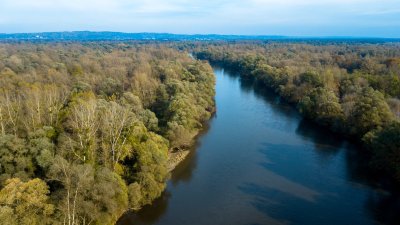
[
  {"x": 83, "y": 121},
  {"x": 10, "y": 109},
  {"x": 116, "y": 124},
  {"x": 76, "y": 179},
  {"x": 43, "y": 104}
]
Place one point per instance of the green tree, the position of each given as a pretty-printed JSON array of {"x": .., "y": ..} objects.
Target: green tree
[
  {"x": 385, "y": 147},
  {"x": 25, "y": 202},
  {"x": 370, "y": 112},
  {"x": 135, "y": 196},
  {"x": 42, "y": 147},
  {"x": 321, "y": 105},
  {"x": 15, "y": 158},
  {"x": 108, "y": 197},
  {"x": 151, "y": 155}
]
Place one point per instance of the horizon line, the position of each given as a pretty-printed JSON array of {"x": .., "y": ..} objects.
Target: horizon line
[{"x": 209, "y": 34}]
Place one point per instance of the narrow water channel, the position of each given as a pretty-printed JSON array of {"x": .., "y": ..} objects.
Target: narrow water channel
[{"x": 259, "y": 162}]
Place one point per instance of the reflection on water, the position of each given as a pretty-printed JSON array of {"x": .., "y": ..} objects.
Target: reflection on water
[
  {"x": 259, "y": 162},
  {"x": 384, "y": 207},
  {"x": 149, "y": 214},
  {"x": 183, "y": 172}
]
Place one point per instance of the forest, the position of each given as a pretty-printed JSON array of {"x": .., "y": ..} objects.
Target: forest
[
  {"x": 86, "y": 129},
  {"x": 352, "y": 88}
]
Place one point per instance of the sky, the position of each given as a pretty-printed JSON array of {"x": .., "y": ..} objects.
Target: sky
[{"x": 361, "y": 18}]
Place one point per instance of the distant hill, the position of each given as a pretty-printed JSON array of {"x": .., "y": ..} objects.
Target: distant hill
[
  {"x": 88, "y": 35},
  {"x": 115, "y": 36}
]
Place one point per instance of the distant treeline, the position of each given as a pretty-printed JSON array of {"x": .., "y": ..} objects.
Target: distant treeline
[
  {"x": 85, "y": 129},
  {"x": 162, "y": 37},
  {"x": 353, "y": 89}
]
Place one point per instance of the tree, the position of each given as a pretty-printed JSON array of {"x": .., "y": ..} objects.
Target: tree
[
  {"x": 41, "y": 146},
  {"x": 311, "y": 78},
  {"x": 115, "y": 127},
  {"x": 10, "y": 111},
  {"x": 25, "y": 202},
  {"x": 76, "y": 181},
  {"x": 178, "y": 135},
  {"x": 370, "y": 112},
  {"x": 88, "y": 195},
  {"x": 151, "y": 155},
  {"x": 108, "y": 197},
  {"x": 15, "y": 158},
  {"x": 149, "y": 119},
  {"x": 321, "y": 105},
  {"x": 385, "y": 147},
  {"x": 394, "y": 105},
  {"x": 135, "y": 196},
  {"x": 82, "y": 121},
  {"x": 82, "y": 118},
  {"x": 42, "y": 105}
]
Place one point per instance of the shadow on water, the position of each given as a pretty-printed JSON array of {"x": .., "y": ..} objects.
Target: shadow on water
[
  {"x": 149, "y": 214},
  {"x": 326, "y": 143},
  {"x": 271, "y": 202},
  {"x": 299, "y": 189},
  {"x": 382, "y": 202},
  {"x": 269, "y": 97},
  {"x": 384, "y": 208},
  {"x": 184, "y": 171},
  {"x": 359, "y": 170}
]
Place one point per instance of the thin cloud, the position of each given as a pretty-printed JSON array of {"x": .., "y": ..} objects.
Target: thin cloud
[{"x": 381, "y": 12}]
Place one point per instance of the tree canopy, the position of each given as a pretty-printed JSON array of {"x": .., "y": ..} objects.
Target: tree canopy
[{"x": 86, "y": 128}]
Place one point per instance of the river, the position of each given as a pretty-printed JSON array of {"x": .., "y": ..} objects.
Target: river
[{"x": 259, "y": 162}]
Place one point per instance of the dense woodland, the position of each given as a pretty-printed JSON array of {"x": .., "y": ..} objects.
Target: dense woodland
[
  {"x": 86, "y": 128},
  {"x": 351, "y": 88}
]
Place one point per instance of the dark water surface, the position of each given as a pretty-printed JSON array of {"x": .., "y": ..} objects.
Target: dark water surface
[{"x": 259, "y": 162}]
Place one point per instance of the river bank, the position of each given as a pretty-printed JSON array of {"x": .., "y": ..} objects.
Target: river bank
[
  {"x": 363, "y": 115},
  {"x": 175, "y": 158},
  {"x": 260, "y": 162}
]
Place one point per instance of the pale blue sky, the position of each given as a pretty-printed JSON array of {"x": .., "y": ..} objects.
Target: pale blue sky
[{"x": 375, "y": 18}]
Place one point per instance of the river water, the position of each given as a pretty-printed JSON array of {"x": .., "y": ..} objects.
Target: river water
[{"x": 259, "y": 162}]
